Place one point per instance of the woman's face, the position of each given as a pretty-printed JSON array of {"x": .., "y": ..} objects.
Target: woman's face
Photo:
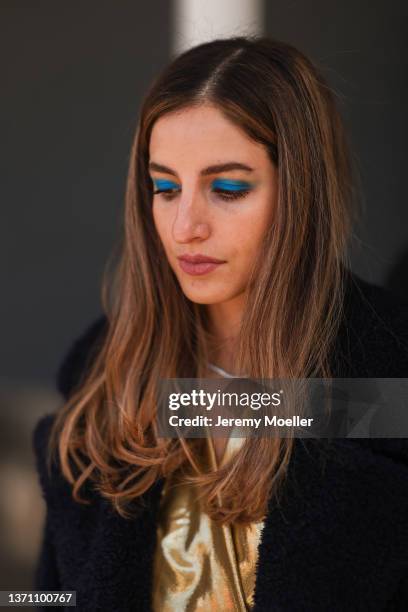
[{"x": 218, "y": 195}]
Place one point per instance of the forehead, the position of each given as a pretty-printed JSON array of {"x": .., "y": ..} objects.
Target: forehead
[{"x": 202, "y": 135}]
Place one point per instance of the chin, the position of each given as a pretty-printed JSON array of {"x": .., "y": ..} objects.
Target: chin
[
  {"x": 203, "y": 298},
  {"x": 203, "y": 295}
]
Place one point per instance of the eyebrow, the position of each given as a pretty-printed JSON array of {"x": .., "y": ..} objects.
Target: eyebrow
[{"x": 215, "y": 169}]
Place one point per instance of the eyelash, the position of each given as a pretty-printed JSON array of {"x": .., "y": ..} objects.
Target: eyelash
[{"x": 225, "y": 194}]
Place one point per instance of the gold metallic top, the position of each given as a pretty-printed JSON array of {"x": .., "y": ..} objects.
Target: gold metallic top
[{"x": 199, "y": 564}]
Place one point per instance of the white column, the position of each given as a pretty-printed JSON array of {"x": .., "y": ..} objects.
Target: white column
[{"x": 198, "y": 21}]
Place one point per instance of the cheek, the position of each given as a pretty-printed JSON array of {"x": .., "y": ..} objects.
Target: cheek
[
  {"x": 249, "y": 229},
  {"x": 162, "y": 224}
]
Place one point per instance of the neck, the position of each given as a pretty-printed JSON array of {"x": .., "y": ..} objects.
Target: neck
[{"x": 225, "y": 322}]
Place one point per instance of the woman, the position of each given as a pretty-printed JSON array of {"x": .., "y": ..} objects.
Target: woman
[{"x": 239, "y": 204}]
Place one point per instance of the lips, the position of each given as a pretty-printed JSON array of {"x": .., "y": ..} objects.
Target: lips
[{"x": 198, "y": 264}]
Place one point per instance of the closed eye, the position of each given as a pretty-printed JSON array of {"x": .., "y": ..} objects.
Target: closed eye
[
  {"x": 229, "y": 189},
  {"x": 167, "y": 188},
  {"x": 228, "y": 194},
  {"x": 226, "y": 189}
]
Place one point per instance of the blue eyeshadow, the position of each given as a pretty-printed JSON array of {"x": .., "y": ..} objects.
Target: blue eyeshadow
[
  {"x": 231, "y": 185},
  {"x": 165, "y": 184},
  {"x": 225, "y": 184}
]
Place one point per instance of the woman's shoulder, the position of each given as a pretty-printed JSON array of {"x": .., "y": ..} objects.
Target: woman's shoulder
[
  {"x": 82, "y": 350},
  {"x": 376, "y": 305},
  {"x": 373, "y": 337},
  {"x": 70, "y": 372}
]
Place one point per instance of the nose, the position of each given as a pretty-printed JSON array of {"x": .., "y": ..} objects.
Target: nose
[{"x": 191, "y": 221}]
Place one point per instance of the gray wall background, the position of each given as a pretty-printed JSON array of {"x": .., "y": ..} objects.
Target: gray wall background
[{"x": 72, "y": 79}]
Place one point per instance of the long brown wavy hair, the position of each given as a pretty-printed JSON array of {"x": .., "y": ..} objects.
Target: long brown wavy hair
[{"x": 106, "y": 432}]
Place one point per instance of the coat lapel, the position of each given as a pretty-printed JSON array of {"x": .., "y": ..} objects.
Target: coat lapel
[
  {"x": 121, "y": 564},
  {"x": 332, "y": 529}
]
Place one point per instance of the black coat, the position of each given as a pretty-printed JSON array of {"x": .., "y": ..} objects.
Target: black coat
[{"x": 339, "y": 541}]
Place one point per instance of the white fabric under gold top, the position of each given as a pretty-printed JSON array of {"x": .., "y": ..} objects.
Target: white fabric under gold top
[{"x": 199, "y": 564}]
